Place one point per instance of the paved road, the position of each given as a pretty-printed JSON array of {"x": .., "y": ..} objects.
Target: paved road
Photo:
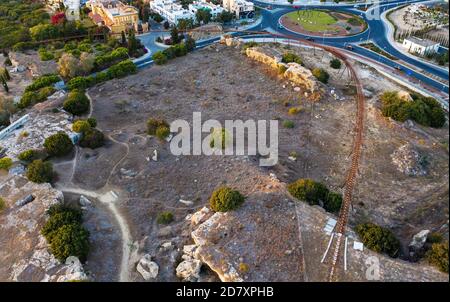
[{"x": 376, "y": 32}]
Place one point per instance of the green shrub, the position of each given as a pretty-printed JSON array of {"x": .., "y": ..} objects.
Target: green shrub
[
  {"x": 249, "y": 44},
  {"x": 2, "y": 205},
  {"x": 308, "y": 190},
  {"x": 77, "y": 102},
  {"x": 291, "y": 58},
  {"x": 333, "y": 202},
  {"x": 219, "y": 136},
  {"x": 321, "y": 75},
  {"x": 294, "y": 110},
  {"x": 423, "y": 110},
  {"x": 288, "y": 124},
  {"x": 162, "y": 132},
  {"x": 159, "y": 58},
  {"x": 378, "y": 239},
  {"x": 154, "y": 123},
  {"x": 43, "y": 81},
  {"x": 30, "y": 155},
  {"x": 281, "y": 69},
  {"x": 165, "y": 218},
  {"x": 58, "y": 144},
  {"x": 225, "y": 199},
  {"x": 92, "y": 121},
  {"x": 5, "y": 163},
  {"x": 104, "y": 61},
  {"x": 40, "y": 171},
  {"x": 57, "y": 220},
  {"x": 92, "y": 138},
  {"x": 81, "y": 126},
  {"x": 80, "y": 82},
  {"x": 45, "y": 55},
  {"x": 335, "y": 63},
  {"x": 435, "y": 238},
  {"x": 438, "y": 256},
  {"x": 70, "y": 240},
  {"x": 31, "y": 98},
  {"x": 121, "y": 69}
]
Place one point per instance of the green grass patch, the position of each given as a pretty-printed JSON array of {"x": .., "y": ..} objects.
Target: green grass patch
[{"x": 313, "y": 20}]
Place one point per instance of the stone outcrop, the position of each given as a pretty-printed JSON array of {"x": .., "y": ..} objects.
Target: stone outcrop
[
  {"x": 24, "y": 254},
  {"x": 409, "y": 161},
  {"x": 416, "y": 246},
  {"x": 300, "y": 75},
  {"x": 294, "y": 72},
  {"x": 147, "y": 268},
  {"x": 250, "y": 243}
]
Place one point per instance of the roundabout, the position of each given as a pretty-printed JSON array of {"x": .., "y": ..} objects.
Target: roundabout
[{"x": 322, "y": 22}]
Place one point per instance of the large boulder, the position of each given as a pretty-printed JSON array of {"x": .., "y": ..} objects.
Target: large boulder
[{"x": 416, "y": 246}]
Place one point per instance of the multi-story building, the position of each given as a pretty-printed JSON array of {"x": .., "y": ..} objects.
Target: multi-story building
[
  {"x": 213, "y": 9},
  {"x": 114, "y": 14},
  {"x": 170, "y": 10},
  {"x": 241, "y": 8}
]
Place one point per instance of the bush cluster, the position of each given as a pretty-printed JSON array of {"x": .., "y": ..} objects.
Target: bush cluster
[
  {"x": 40, "y": 171},
  {"x": 30, "y": 98},
  {"x": 423, "y": 110},
  {"x": 177, "y": 50},
  {"x": 58, "y": 144},
  {"x": 321, "y": 75},
  {"x": 291, "y": 58},
  {"x": 5, "y": 163},
  {"x": 43, "y": 81},
  {"x": 438, "y": 256},
  {"x": 91, "y": 137},
  {"x": 2, "y": 205},
  {"x": 315, "y": 193},
  {"x": 65, "y": 234},
  {"x": 77, "y": 103},
  {"x": 158, "y": 127},
  {"x": 104, "y": 61},
  {"x": 378, "y": 239},
  {"x": 31, "y": 155},
  {"x": 225, "y": 199},
  {"x": 335, "y": 63},
  {"x": 119, "y": 70},
  {"x": 165, "y": 217}
]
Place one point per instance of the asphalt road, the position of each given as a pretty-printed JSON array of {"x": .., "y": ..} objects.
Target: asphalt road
[{"x": 376, "y": 32}]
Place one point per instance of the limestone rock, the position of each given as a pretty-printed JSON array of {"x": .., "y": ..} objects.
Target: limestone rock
[
  {"x": 189, "y": 270},
  {"x": 409, "y": 161},
  {"x": 417, "y": 243},
  {"x": 200, "y": 216},
  {"x": 147, "y": 268}
]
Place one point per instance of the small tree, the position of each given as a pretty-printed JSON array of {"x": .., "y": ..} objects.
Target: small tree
[
  {"x": 58, "y": 144},
  {"x": 30, "y": 155},
  {"x": 174, "y": 35},
  {"x": 154, "y": 123},
  {"x": 225, "y": 199},
  {"x": 39, "y": 171}
]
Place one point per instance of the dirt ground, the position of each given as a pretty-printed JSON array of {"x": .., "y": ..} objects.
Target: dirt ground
[{"x": 222, "y": 83}]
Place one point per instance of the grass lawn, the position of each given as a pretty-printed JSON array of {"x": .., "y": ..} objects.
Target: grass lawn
[{"x": 313, "y": 20}]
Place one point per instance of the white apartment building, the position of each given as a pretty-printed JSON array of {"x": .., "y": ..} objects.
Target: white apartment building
[
  {"x": 212, "y": 8},
  {"x": 241, "y": 8},
  {"x": 171, "y": 11},
  {"x": 420, "y": 46}
]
